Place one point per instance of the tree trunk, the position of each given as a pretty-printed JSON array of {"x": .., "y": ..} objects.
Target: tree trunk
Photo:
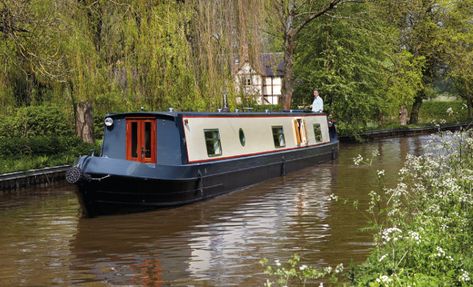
[
  {"x": 414, "y": 118},
  {"x": 85, "y": 122},
  {"x": 287, "y": 82}
]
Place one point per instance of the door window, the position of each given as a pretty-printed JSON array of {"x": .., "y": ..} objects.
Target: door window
[{"x": 141, "y": 140}]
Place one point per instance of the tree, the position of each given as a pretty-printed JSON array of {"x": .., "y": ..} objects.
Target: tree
[
  {"x": 353, "y": 58},
  {"x": 288, "y": 18},
  {"x": 460, "y": 50}
]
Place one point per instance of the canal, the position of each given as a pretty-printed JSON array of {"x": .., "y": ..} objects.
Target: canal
[{"x": 44, "y": 241}]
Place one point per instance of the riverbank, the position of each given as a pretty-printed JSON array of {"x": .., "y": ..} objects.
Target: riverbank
[
  {"x": 402, "y": 131},
  {"x": 36, "y": 177}
]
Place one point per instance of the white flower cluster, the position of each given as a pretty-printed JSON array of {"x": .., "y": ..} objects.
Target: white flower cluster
[
  {"x": 450, "y": 111},
  {"x": 357, "y": 160},
  {"x": 384, "y": 279},
  {"x": 333, "y": 197},
  {"x": 380, "y": 173},
  {"x": 414, "y": 236},
  {"x": 465, "y": 276},
  {"x": 440, "y": 252},
  {"x": 339, "y": 268},
  {"x": 391, "y": 234}
]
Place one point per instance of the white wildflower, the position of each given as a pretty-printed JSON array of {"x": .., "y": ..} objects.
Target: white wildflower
[
  {"x": 357, "y": 160},
  {"x": 328, "y": 269},
  {"x": 450, "y": 111},
  {"x": 380, "y": 173},
  {"x": 303, "y": 267},
  {"x": 277, "y": 262},
  {"x": 333, "y": 197},
  {"x": 384, "y": 279},
  {"x": 440, "y": 252},
  {"x": 339, "y": 268},
  {"x": 391, "y": 234},
  {"x": 382, "y": 257},
  {"x": 465, "y": 276},
  {"x": 414, "y": 236}
]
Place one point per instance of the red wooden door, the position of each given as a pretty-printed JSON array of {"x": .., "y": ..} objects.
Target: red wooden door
[{"x": 141, "y": 139}]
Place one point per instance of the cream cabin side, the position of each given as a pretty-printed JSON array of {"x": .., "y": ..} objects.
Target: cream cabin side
[{"x": 211, "y": 138}]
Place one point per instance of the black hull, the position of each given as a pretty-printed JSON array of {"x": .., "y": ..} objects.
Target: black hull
[{"x": 124, "y": 194}]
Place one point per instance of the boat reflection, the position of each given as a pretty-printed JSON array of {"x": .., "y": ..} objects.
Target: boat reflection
[{"x": 212, "y": 240}]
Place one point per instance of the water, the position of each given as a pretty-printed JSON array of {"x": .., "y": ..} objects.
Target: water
[{"x": 43, "y": 240}]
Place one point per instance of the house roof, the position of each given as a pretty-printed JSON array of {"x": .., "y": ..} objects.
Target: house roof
[{"x": 271, "y": 64}]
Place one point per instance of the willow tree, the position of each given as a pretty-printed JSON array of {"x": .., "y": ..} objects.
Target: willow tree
[{"x": 220, "y": 33}]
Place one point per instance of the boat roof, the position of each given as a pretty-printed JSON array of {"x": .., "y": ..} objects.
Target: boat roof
[{"x": 214, "y": 114}]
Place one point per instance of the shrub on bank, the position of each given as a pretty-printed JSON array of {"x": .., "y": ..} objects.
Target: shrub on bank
[
  {"x": 423, "y": 227},
  {"x": 425, "y": 231},
  {"x": 443, "y": 112},
  {"x": 20, "y": 153},
  {"x": 31, "y": 121}
]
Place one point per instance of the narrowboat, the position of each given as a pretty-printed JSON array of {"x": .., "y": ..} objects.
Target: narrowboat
[{"x": 162, "y": 159}]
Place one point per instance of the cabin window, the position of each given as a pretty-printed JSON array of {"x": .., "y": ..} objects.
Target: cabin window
[
  {"x": 212, "y": 141},
  {"x": 242, "y": 137},
  {"x": 141, "y": 139},
  {"x": 278, "y": 137},
  {"x": 317, "y": 133}
]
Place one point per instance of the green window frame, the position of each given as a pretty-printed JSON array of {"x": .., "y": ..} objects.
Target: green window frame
[
  {"x": 278, "y": 137},
  {"x": 212, "y": 142},
  {"x": 317, "y": 132}
]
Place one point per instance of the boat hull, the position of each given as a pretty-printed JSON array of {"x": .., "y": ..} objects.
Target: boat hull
[{"x": 105, "y": 193}]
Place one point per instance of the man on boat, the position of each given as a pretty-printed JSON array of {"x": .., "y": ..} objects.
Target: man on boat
[{"x": 318, "y": 103}]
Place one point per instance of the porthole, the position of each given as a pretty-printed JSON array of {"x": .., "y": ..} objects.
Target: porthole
[{"x": 242, "y": 137}]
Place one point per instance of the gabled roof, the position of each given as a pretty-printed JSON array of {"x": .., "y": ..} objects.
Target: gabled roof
[{"x": 272, "y": 64}]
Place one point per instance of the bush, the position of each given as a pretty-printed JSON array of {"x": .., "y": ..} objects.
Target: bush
[
  {"x": 45, "y": 120},
  {"x": 42, "y": 146},
  {"x": 425, "y": 230},
  {"x": 443, "y": 112}
]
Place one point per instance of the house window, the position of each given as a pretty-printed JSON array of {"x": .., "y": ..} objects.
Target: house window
[
  {"x": 317, "y": 133},
  {"x": 248, "y": 81},
  {"x": 242, "y": 137},
  {"x": 212, "y": 141},
  {"x": 278, "y": 137}
]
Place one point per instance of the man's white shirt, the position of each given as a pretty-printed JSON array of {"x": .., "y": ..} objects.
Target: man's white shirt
[{"x": 318, "y": 105}]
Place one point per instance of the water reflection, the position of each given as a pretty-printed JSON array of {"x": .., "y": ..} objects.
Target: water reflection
[{"x": 213, "y": 243}]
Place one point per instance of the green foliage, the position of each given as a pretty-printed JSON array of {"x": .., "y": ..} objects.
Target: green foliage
[
  {"x": 351, "y": 61},
  {"x": 424, "y": 224},
  {"x": 443, "y": 112},
  {"x": 44, "y": 120},
  {"x": 22, "y": 153},
  {"x": 14, "y": 147}
]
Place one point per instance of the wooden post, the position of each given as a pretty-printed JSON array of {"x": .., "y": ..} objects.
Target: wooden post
[{"x": 403, "y": 116}]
